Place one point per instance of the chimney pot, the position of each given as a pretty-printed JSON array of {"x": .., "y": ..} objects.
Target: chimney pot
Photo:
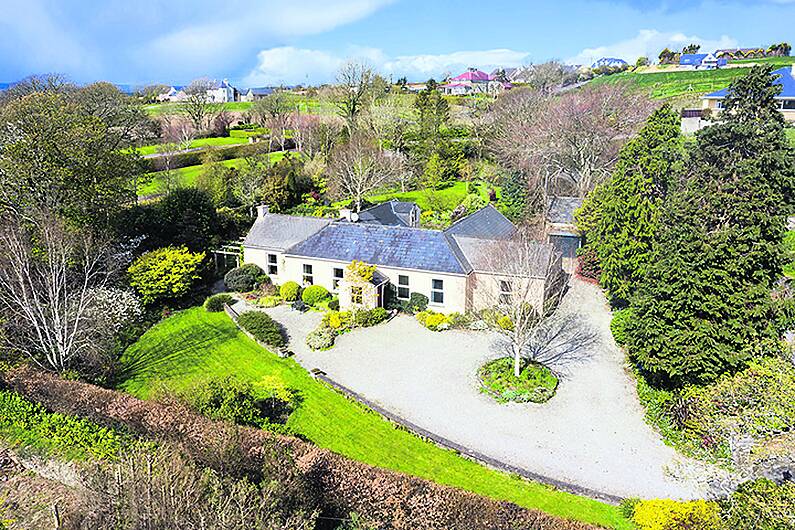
[{"x": 263, "y": 210}]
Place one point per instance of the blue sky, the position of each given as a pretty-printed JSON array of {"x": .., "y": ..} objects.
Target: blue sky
[{"x": 265, "y": 42}]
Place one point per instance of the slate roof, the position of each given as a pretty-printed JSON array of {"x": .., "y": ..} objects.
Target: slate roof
[
  {"x": 261, "y": 91},
  {"x": 390, "y": 213},
  {"x": 484, "y": 255},
  {"x": 561, "y": 209},
  {"x": 387, "y": 246},
  {"x": 784, "y": 78},
  {"x": 487, "y": 223},
  {"x": 692, "y": 59},
  {"x": 280, "y": 232}
]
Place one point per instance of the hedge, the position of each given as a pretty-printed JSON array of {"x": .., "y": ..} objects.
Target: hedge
[
  {"x": 262, "y": 327},
  {"x": 216, "y": 302}
]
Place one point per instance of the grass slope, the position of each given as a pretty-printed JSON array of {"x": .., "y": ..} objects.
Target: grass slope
[
  {"x": 158, "y": 109},
  {"x": 664, "y": 85},
  {"x": 186, "y": 176},
  {"x": 444, "y": 199},
  {"x": 201, "y": 142},
  {"x": 193, "y": 345}
]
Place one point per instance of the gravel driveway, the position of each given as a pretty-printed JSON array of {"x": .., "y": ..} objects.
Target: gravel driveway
[{"x": 591, "y": 433}]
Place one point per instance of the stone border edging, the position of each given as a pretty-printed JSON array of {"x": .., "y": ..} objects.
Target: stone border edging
[{"x": 464, "y": 451}]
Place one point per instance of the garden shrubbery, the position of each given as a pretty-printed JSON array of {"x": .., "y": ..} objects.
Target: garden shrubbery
[
  {"x": 536, "y": 383},
  {"x": 618, "y": 325},
  {"x": 769, "y": 505},
  {"x": 321, "y": 338},
  {"x": 237, "y": 401},
  {"x": 165, "y": 273},
  {"x": 263, "y": 328},
  {"x": 29, "y": 424},
  {"x": 314, "y": 294},
  {"x": 290, "y": 291},
  {"x": 373, "y": 317},
  {"x": 246, "y": 278},
  {"x": 216, "y": 302},
  {"x": 438, "y": 321},
  {"x": 666, "y": 514},
  {"x": 269, "y": 301},
  {"x": 338, "y": 322}
]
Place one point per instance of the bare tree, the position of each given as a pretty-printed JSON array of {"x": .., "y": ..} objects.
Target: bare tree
[
  {"x": 359, "y": 168},
  {"x": 550, "y": 76},
  {"x": 389, "y": 118},
  {"x": 355, "y": 85},
  {"x": 196, "y": 105},
  {"x": 524, "y": 282},
  {"x": 49, "y": 279},
  {"x": 273, "y": 111},
  {"x": 566, "y": 143}
]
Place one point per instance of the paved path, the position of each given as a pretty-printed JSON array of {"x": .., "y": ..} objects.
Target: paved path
[{"x": 591, "y": 433}]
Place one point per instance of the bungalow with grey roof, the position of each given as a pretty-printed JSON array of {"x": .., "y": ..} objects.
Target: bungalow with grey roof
[{"x": 453, "y": 268}]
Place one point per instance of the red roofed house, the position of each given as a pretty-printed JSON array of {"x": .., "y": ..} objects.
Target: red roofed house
[{"x": 474, "y": 81}]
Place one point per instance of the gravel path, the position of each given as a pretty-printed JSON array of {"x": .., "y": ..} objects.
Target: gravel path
[{"x": 591, "y": 433}]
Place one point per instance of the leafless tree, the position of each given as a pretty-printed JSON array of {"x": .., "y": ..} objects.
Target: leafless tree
[
  {"x": 550, "y": 76},
  {"x": 354, "y": 88},
  {"x": 221, "y": 121},
  {"x": 196, "y": 105},
  {"x": 566, "y": 143},
  {"x": 524, "y": 282},
  {"x": 49, "y": 278},
  {"x": 273, "y": 111},
  {"x": 388, "y": 118},
  {"x": 359, "y": 168}
]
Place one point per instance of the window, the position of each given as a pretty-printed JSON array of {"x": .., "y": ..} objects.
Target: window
[
  {"x": 789, "y": 104},
  {"x": 309, "y": 278},
  {"x": 273, "y": 268},
  {"x": 506, "y": 290},
  {"x": 338, "y": 274},
  {"x": 403, "y": 287},
  {"x": 437, "y": 291},
  {"x": 357, "y": 297}
]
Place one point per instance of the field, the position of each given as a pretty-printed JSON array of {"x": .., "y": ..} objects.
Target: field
[
  {"x": 193, "y": 345},
  {"x": 201, "y": 142},
  {"x": 186, "y": 176},
  {"x": 158, "y": 109}
]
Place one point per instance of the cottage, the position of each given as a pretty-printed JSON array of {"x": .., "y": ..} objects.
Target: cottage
[
  {"x": 784, "y": 77},
  {"x": 701, "y": 61},
  {"x": 455, "y": 268},
  {"x": 474, "y": 81},
  {"x": 254, "y": 94},
  {"x": 173, "y": 94}
]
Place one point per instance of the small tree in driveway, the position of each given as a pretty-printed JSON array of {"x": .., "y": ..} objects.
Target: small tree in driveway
[{"x": 517, "y": 266}]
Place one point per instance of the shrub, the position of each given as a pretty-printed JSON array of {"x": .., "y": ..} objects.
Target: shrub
[
  {"x": 433, "y": 321},
  {"x": 417, "y": 302},
  {"x": 373, "y": 317},
  {"x": 232, "y": 399},
  {"x": 290, "y": 291},
  {"x": 269, "y": 301},
  {"x": 262, "y": 327},
  {"x": 321, "y": 338},
  {"x": 763, "y": 501},
  {"x": 334, "y": 304},
  {"x": 666, "y": 514},
  {"x": 216, "y": 303},
  {"x": 165, "y": 273},
  {"x": 300, "y": 306},
  {"x": 536, "y": 383},
  {"x": 314, "y": 294},
  {"x": 505, "y": 322},
  {"x": 246, "y": 278},
  {"x": 618, "y": 325},
  {"x": 338, "y": 321},
  {"x": 588, "y": 264}
]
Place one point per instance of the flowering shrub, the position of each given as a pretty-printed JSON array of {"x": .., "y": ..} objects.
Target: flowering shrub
[
  {"x": 290, "y": 291},
  {"x": 269, "y": 301},
  {"x": 338, "y": 321},
  {"x": 434, "y": 321},
  {"x": 666, "y": 514},
  {"x": 321, "y": 338},
  {"x": 115, "y": 308}
]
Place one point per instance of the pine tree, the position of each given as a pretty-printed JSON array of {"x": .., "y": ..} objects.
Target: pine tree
[
  {"x": 705, "y": 305},
  {"x": 624, "y": 212}
]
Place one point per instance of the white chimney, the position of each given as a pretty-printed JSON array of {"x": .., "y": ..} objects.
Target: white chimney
[
  {"x": 263, "y": 210},
  {"x": 346, "y": 214}
]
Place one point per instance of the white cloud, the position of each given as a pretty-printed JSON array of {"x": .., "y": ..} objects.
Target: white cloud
[
  {"x": 233, "y": 26},
  {"x": 289, "y": 65},
  {"x": 649, "y": 43}
]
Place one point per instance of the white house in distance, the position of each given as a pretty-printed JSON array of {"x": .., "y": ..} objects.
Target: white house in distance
[
  {"x": 453, "y": 267},
  {"x": 700, "y": 61},
  {"x": 219, "y": 92},
  {"x": 254, "y": 94},
  {"x": 474, "y": 81},
  {"x": 174, "y": 93}
]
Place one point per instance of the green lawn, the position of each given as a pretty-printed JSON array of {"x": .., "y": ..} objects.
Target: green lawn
[
  {"x": 159, "y": 109},
  {"x": 445, "y": 199},
  {"x": 664, "y": 85},
  {"x": 193, "y": 345},
  {"x": 186, "y": 176},
  {"x": 201, "y": 142},
  {"x": 791, "y": 136}
]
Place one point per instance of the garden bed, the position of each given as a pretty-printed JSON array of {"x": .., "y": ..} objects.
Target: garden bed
[{"x": 536, "y": 383}]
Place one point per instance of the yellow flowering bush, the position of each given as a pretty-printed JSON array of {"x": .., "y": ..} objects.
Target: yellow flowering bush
[{"x": 666, "y": 514}]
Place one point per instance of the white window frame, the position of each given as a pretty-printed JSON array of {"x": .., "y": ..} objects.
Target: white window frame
[
  {"x": 273, "y": 265},
  {"x": 335, "y": 282},
  {"x": 309, "y": 277},
  {"x": 506, "y": 295}
]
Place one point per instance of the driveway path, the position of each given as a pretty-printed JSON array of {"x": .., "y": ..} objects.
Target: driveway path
[{"x": 591, "y": 433}]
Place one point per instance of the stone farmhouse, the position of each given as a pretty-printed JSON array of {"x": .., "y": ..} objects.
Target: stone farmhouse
[{"x": 454, "y": 268}]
